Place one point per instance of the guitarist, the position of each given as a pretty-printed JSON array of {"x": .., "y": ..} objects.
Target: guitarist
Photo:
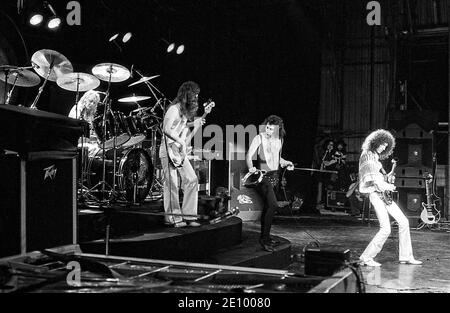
[
  {"x": 268, "y": 145},
  {"x": 377, "y": 146},
  {"x": 177, "y": 120}
]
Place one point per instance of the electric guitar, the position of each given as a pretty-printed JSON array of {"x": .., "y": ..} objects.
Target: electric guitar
[
  {"x": 386, "y": 195},
  {"x": 174, "y": 149},
  {"x": 429, "y": 212}
]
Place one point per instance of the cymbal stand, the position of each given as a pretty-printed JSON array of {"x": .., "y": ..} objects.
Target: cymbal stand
[
  {"x": 103, "y": 182},
  {"x": 33, "y": 106},
  {"x": 8, "y": 97}
]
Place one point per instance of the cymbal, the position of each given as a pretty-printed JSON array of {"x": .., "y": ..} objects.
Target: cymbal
[
  {"x": 84, "y": 81},
  {"x": 47, "y": 60},
  {"x": 134, "y": 99},
  {"x": 111, "y": 72},
  {"x": 143, "y": 79},
  {"x": 21, "y": 78},
  {"x": 141, "y": 109}
]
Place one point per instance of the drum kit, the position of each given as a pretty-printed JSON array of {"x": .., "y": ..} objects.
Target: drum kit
[{"x": 114, "y": 167}]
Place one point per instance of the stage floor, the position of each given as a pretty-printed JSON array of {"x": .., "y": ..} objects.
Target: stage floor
[{"x": 430, "y": 246}]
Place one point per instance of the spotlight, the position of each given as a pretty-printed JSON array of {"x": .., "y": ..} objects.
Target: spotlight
[
  {"x": 36, "y": 19},
  {"x": 180, "y": 49},
  {"x": 54, "y": 20},
  {"x": 113, "y": 37},
  {"x": 45, "y": 11},
  {"x": 171, "y": 47},
  {"x": 126, "y": 37}
]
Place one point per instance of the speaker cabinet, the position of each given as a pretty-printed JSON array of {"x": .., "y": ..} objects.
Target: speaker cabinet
[
  {"x": 410, "y": 201},
  {"x": 38, "y": 203},
  {"x": 414, "y": 146}
]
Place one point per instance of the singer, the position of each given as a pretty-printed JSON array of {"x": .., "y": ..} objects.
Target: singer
[{"x": 268, "y": 145}]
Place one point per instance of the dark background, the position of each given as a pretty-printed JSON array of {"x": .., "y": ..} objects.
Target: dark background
[{"x": 254, "y": 58}]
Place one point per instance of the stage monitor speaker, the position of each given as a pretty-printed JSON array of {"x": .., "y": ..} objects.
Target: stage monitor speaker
[
  {"x": 247, "y": 200},
  {"x": 38, "y": 203},
  {"x": 325, "y": 261}
]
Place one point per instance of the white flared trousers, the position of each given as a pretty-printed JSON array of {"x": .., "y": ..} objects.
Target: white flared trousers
[
  {"x": 382, "y": 211},
  {"x": 189, "y": 184}
]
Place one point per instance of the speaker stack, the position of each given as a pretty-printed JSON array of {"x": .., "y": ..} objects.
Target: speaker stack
[{"x": 414, "y": 149}]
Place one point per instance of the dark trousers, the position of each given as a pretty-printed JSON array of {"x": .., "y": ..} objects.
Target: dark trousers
[{"x": 266, "y": 191}]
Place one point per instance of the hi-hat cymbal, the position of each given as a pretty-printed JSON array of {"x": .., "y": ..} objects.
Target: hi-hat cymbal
[
  {"x": 21, "y": 78},
  {"x": 143, "y": 79},
  {"x": 111, "y": 72},
  {"x": 84, "y": 81},
  {"x": 134, "y": 99},
  {"x": 47, "y": 60}
]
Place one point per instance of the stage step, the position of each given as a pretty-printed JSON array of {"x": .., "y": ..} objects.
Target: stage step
[{"x": 192, "y": 244}]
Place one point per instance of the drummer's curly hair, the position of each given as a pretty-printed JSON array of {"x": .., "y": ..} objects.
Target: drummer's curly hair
[
  {"x": 376, "y": 138},
  {"x": 186, "y": 96},
  {"x": 278, "y": 121}
]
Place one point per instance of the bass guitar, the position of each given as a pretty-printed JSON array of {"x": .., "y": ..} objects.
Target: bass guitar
[
  {"x": 174, "y": 149},
  {"x": 386, "y": 195},
  {"x": 429, "y": 213}
]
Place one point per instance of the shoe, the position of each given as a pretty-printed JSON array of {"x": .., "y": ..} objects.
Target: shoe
[
  {"x": 176, "y": 225},
  {"x": 412, "y": 262},
  {"x": 266, "y": 246},
  {"x": 371, "y": 263},
  {"x": 193, "y": 224}
]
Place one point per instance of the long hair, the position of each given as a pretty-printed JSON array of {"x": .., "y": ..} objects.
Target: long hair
[
  {"x": 377, "y": 138},
  {"x": 88, "y": 104},
  {"x": 187, "y": 98},
  {"x": 277, "y": 121}
]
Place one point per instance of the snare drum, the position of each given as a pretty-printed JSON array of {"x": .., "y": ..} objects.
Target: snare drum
[{"x": 116, "y": 128}]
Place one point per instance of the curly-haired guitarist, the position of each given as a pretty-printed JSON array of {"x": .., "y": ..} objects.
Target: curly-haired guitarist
[{"x": 377, "y": 146}]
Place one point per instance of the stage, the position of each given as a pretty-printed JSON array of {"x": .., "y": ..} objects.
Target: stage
[{"x": 430, "y": 246}]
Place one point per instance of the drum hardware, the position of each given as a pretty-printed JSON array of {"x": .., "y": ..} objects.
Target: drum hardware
[
  {"x": 103, "y": 182},
  {"x": 50, "y": 65},
  {"x": 17, "y": 76}
]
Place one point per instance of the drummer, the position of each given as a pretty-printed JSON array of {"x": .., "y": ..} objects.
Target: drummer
[
  {"x": 86, "y": 110},
  {"x": 268, "y": 145}
]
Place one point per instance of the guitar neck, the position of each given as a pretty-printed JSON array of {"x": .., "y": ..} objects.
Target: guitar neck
[{"x": 428, "y": 192}]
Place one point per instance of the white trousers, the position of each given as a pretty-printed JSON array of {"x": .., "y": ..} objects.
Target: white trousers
[
  {"x": 382, "y": 210},
  {"x": 189, "y": 184}
]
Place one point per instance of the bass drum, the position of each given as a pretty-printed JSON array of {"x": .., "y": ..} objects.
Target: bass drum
[{"x": 134, "y": 172}]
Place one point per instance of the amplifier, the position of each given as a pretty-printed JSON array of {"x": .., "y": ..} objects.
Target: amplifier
[
  {"x": 337, "y": 199},
  {"x": 325, "y": 261},
  {"x": 38, "y": 203}
]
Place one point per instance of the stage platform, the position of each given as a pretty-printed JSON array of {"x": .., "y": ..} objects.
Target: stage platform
[{"x": 139, "y": 232}]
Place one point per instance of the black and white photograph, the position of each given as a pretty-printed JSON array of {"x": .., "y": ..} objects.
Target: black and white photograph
[{"x": 225, "y": 153}]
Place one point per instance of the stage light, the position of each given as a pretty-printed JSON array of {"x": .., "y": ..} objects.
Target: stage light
[
  {"x": 113, "y": 37},
  {"x": 36, "y": 19},
  {"x": 126, "y": 37},
  {"x": 54, "y": 22},
  {"x": 171, "y": 47},
  {"x": 180, "y": 49},
  {"x": 45, "y": 11}
]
